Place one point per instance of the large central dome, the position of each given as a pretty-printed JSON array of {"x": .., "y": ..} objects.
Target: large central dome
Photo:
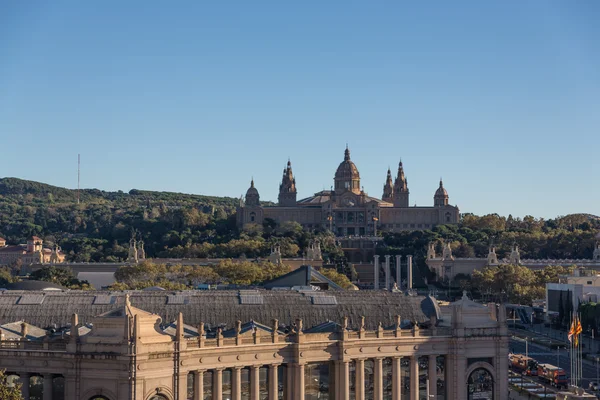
[{"x": 347, "y": 177}]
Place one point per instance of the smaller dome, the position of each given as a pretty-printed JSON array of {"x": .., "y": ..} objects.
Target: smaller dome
[
  {"x": 252, "y": 191},
  {"x": 441, "y": 192}
]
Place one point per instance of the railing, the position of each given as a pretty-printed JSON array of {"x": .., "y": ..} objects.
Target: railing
[{"x": 33, "y": 345}]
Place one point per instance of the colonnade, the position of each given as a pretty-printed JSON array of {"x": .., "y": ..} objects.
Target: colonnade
[
  {"x": 293, "y": 385},
  {"x": 48, "y": 389},
  {"x": 388, "y": 279}
]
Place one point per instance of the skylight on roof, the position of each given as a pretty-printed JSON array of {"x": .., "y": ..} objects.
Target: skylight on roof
[
  {"x": 176, "y": 299},
  {"x": 324, "y": 300},
  {"x": 29, "y": 299},
  {"x": 104, "y": 299}
]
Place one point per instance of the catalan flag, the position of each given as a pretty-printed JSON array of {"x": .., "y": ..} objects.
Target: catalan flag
[
  {"x": 571, "y": 331},
  {"x": 578, "y": 330}
]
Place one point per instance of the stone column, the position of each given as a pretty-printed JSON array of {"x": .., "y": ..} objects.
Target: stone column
[
  {"x": 387, "y": 272},
  {"x": 182, "y": 385},
  {"x": 344, "y": 382},
  {"x": 414, "y": 377},
  {"x": 399, "y": 271},
  {"x": 47, "y": 393},
  {"x": 273, "y": 382},
  {"x": 376, "y": 273},
  {"x": 254, "y": 382},
  {"x": 396, "y": 378},
  {"x": 25, "y": 384},
  {"x": 199, "y": 385},
  {"x": 378, "y": 375},
  {"x": 299, "y": 383},
  {"x": 360, "y": 380},
  {"x": 409, "y": 272},
  {"x": 236, "y": 383},
  {"x": 432, "y": 375},
  {"x": 218, "y": 384}
]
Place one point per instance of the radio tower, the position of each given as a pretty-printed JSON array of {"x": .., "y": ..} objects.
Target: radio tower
[{"x": 78, "y": 174}]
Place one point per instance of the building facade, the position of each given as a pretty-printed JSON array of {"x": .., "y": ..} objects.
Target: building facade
[
  {"x": 129, "y": 353},
  {"x": 33, "y": 252},
  {"x": 446, "y": 266},
  {"x": 346, "y": 209}
]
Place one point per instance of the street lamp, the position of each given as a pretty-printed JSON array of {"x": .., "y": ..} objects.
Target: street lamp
[{"x": 375, "y": 219}]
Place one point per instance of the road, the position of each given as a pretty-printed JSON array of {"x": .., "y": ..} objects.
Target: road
[{"x": 560, "y": 358}]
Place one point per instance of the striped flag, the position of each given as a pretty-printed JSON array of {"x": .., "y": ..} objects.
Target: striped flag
[
  {"x": 571, "y": 331},
  {"x": 578, "y": 330}
]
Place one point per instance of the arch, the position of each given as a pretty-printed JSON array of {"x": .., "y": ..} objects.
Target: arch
[
  {"x": 481, "y": 379},
  {"x": 159, "y": 393},
  {"x": 98, "y": 394}
]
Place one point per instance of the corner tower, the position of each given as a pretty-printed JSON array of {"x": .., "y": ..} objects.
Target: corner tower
[
  {"x": 388, "y": 188},
  {"x": 347, "y": 178},
  {"x": 401, "y": 192},
  {"x": 287, "y": 188}
]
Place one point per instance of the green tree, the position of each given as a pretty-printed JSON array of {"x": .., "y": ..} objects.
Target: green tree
[
  {"x": 63, "y": 276},
  {"x": 337, "y": 278},
  {"x": 9, "y": 390}
]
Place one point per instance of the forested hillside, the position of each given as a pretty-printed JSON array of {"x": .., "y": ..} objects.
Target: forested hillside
[{"x": 182, "y": 225}]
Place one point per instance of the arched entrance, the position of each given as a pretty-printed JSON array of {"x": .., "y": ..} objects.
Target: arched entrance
[
  {"x": 99, "y": 398},
  {"x": 158, "y": 397},
  {"x": 480, "y": 385}
]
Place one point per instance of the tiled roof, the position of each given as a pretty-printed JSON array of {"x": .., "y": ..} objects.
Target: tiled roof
[{"x": 223, "y": 307}]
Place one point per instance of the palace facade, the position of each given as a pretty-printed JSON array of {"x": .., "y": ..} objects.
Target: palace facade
[
  {"x": 33, "y": 252},
  {"x": 346, "y": 209},
  {"x": 255, "y": 345}
]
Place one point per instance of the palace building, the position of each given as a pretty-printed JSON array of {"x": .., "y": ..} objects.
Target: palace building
[
  {"x": 33, "y": 252},
  {"x": 251, "y": 344},
  {"x": 346, "y": 209}
]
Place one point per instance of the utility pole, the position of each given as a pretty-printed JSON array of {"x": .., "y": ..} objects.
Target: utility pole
[{"x": 78, "y": 174}]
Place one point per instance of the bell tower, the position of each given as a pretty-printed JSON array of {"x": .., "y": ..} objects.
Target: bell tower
[
  {"x": 401, "y": 188},
  {"x": 287, "y": 188},
  {"x": 388, "y": 188}
]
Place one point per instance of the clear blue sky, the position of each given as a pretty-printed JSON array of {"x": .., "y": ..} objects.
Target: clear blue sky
[{"x": 500, "y": 98}]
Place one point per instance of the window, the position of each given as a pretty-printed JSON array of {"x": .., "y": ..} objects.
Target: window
[
  {"x": 190, "y": 385},
  {"x": 352, "y": 377},
  {"x": 252, "y": 216},
  {"x": 281, "y": 382},
  {"x": 480, "y": 385},
  {"x": 263, "y": 383},
  {"x": 346, "y": 185},
  {"x": 369, "y": 379},
  {"x": 316, "y": 381},
  {"x": 387, "y": 366},
  {"x": 207, "y": 384},
  {"x": 448, "y": 216},
  {"x": 226, "y": 387},
  {"x": 245, "y": 383}
]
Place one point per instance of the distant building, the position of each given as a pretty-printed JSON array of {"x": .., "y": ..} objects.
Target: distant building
[
  {"x": 293, "y": 345},
  {"x": 581, "y": 287},
  {"x": 446, "y": 266},
  {"x": 33, "y": 252},
  {"x": 346, "y": 209}
]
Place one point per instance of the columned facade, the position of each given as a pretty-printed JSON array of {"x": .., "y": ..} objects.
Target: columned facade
[{"x": 127, "y": 356}]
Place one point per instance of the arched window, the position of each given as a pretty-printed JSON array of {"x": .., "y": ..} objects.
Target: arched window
[
  {"x": 252, "y": 216},
  {"x": 448, "y": 216},
  {"x": 158, "y": 397},
  {"x": 480, "y": 385}
]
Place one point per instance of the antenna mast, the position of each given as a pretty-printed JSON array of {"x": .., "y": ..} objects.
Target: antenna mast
[{"x": 78, "y": 174}]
